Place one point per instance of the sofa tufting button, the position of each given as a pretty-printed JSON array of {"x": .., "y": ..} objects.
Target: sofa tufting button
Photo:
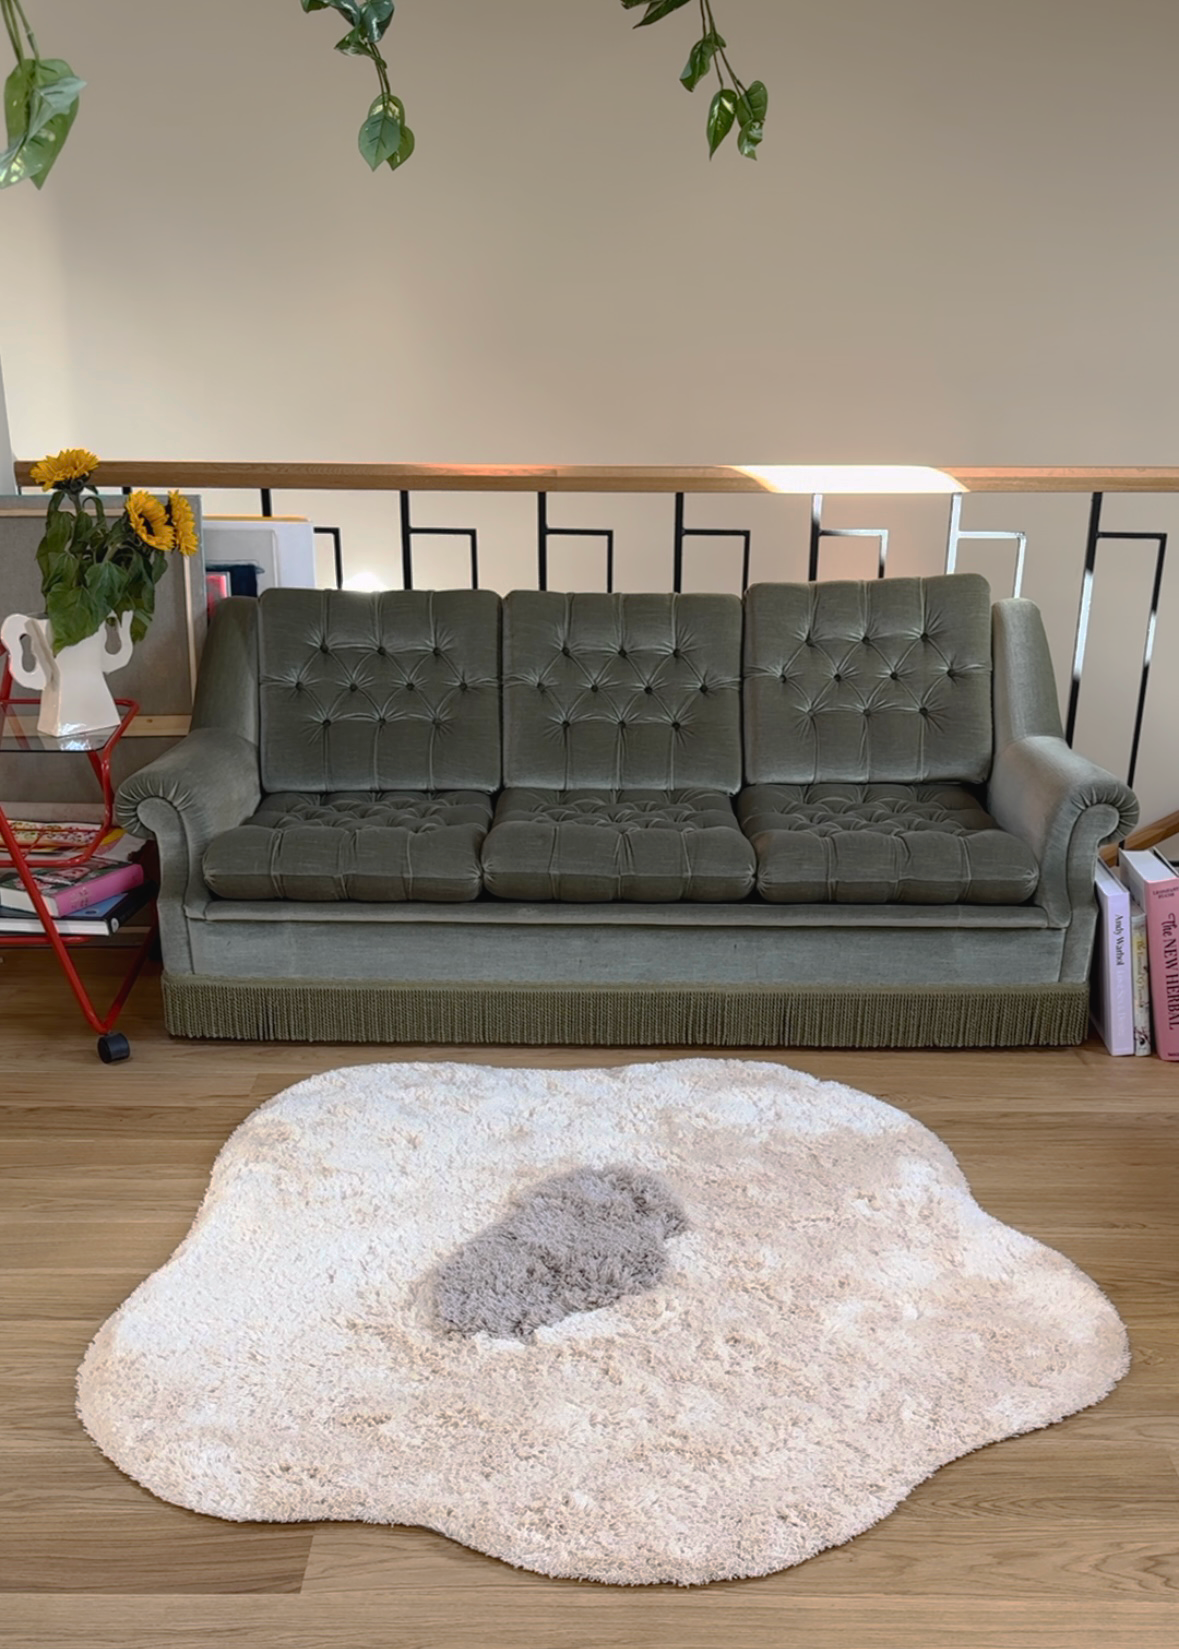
[
  {"x": 648, "y": 690},
  {"x": 352, "y": 688},
  {"x": 837, "y": 677},
  {"x": 409, "y": 687}
]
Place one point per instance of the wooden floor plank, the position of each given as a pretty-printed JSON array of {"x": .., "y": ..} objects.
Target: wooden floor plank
[
  {"x": 582, "y": 1617},
  {"x": 1064, "y": 1539}
]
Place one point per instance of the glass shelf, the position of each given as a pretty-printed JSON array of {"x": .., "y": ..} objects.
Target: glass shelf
[{"x": 18, "y": 731}]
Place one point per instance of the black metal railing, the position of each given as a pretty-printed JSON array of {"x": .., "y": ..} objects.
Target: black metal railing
[{"x": 675, "y": 484}]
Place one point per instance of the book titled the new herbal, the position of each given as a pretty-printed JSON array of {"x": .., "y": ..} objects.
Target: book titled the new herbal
[
  {"x": 70, "y": 887},
  {"x": 1155, "y": 886}
]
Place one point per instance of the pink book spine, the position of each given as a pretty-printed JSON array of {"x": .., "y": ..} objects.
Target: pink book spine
[
  {"x": 118, "y": 880},
  {"x": 1162, "y": 930}
]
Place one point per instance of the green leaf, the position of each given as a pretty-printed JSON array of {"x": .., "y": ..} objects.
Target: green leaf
[
  {"x": 354, "y": 44},
  {"x": 74, "y": 614},
  {"x": 57, "y": 565},
  {"x": 40, "y": 105},
  {"x": 749, "y": 137},
  {"x": 42, "y": 152},
  {"x": 658, "y": 9},
  {"x": 375, "y": 19},
  {"x": 752, "y": 105},
  {"x": 35, "y": 92},
  {"x": 722, "y": 112},
  {"x": 107, "y": 584},
  {"x": 316, "y": 5},
  {"x": 18, "y": 92},
  {"x": 700, "y": 61},
  {"x": 380, "y": 136},
  {"x": 404, "y": 151}
]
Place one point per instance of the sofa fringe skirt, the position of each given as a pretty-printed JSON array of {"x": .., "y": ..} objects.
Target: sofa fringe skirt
[{"x": 597, "y": 1015}]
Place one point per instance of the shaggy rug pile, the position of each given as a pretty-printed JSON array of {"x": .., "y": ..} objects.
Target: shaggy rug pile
[{"x": 675, "y": 1321}]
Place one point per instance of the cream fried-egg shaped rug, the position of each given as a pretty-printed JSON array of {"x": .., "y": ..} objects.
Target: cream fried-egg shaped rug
[{"x": 674, "y": 1321}]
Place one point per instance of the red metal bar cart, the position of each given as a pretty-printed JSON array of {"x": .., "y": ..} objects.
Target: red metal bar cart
[{"x": 18, "y": 732}]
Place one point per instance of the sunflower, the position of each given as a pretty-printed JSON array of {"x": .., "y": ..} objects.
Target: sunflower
[
  {"x": 183, "y": 523},
  {"x": 71, "y": 464},
  {"x": 149, "y": 521}
]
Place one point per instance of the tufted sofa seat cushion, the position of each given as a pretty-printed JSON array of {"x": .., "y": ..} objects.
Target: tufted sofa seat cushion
[
  {"x": 375, "y": 846},
  {"x": 593, "y": 846},
  {"x": 924, "y": 844}
]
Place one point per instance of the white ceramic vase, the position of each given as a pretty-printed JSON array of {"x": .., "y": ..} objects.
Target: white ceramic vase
[{"x": 74, "y": 695}]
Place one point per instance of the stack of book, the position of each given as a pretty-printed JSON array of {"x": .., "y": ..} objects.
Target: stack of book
[
  {"x": 1135, "y": 985},
  {"x": 89, "y": 900}
]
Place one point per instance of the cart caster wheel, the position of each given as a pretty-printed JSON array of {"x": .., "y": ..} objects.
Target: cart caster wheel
[{"x": 113, "y": 1047}]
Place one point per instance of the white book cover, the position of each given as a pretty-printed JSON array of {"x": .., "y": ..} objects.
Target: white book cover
[{"x": 1112, "y": 993}]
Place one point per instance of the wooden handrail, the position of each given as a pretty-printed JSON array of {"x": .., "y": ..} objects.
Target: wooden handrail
[
  {"x": 1145, "y": 836},
  {"x": 587, "y": 478}
]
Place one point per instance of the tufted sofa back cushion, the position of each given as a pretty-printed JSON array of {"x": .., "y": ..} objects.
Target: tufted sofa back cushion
[
  {"x": 868, "y": 683},
  {"x": 397, "y": 691},
  {"x": 616, "y": 692}
]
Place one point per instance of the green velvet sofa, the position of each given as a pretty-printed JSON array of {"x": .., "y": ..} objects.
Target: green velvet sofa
[{"x": 830, "y": 814}]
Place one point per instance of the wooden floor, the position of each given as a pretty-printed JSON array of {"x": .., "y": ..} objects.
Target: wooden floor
[{"x": 1066, "y": 1539}]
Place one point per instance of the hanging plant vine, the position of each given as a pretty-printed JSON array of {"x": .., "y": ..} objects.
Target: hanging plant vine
[
  {"x": 40, "y": 104},
  {"x": 735, "y": 103},
  {"x": 385, "y": 139},
  {"x": 41, "y": 94}
]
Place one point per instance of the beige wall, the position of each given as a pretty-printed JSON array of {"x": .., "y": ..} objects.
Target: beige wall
[{"x": 960, "y": 244}]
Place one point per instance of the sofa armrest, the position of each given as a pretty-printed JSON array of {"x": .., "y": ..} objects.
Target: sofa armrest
[
  {"x": 207, "y": 783},
  {"x": 1064, "y": 807}
]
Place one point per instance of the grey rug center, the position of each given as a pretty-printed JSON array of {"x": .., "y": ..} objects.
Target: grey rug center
[{"x": 574, "y": 1242}]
